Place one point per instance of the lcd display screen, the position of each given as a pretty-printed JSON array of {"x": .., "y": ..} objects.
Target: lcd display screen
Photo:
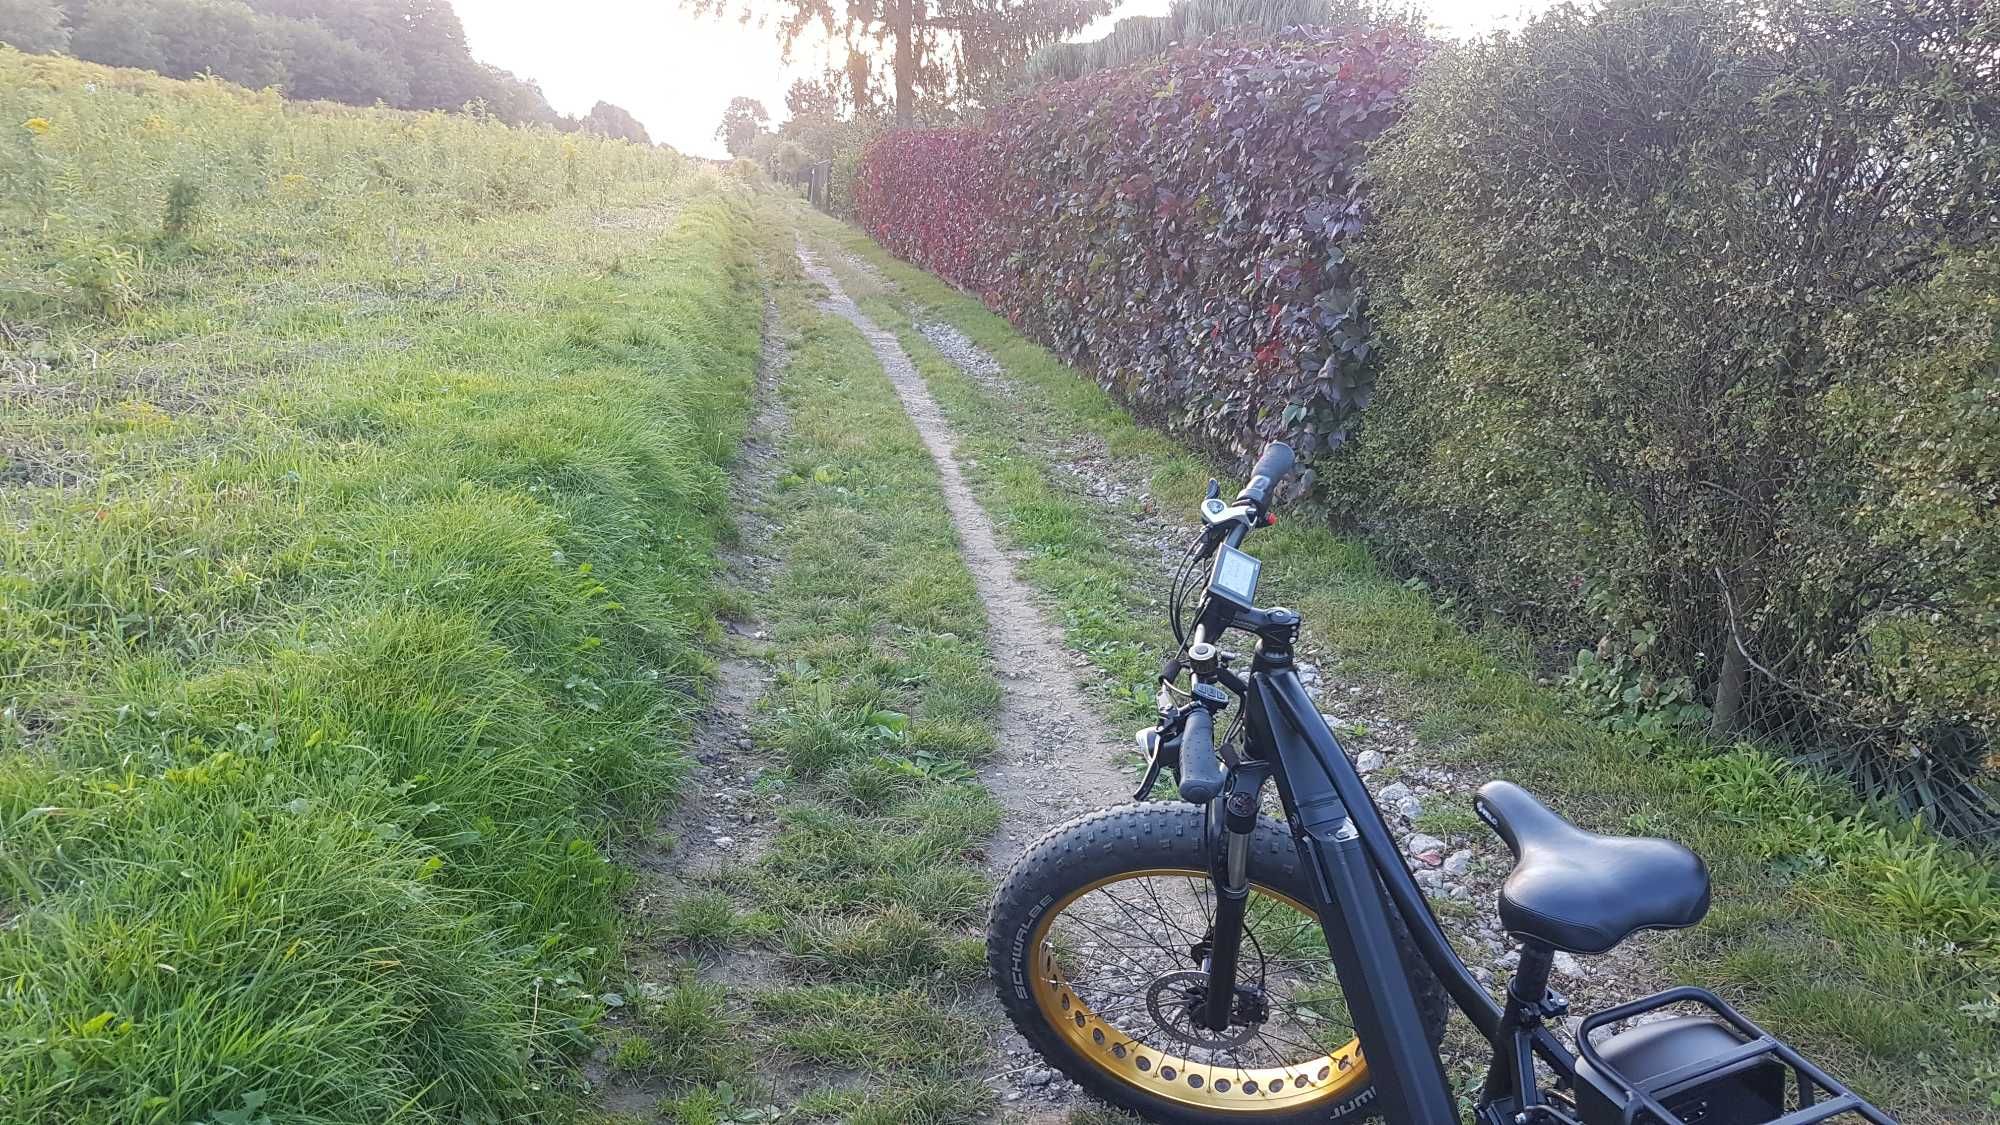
[{"x": 1235, "y": 576}]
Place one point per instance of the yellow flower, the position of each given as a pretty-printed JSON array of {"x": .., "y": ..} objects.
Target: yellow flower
[{"x": 36, "y": 125}]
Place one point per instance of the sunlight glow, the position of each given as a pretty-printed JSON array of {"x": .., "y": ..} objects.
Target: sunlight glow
[{"x": 676, "y": 71}]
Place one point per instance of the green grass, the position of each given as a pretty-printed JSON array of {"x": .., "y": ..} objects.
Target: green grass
[
  {"x": 1874, "y": 946},
  {"x": 882, "y": 707},
  {"x": 706, "y": 921},
  {"x": 690, "y": 1032},
  {"x": 354, "y": 581}
]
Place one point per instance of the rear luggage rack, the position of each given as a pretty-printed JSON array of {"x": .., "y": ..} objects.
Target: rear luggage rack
[{"x": 1819, "y": 1096}]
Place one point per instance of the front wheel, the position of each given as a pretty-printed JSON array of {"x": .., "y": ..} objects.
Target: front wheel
[{"x": 1096, "y": 942}]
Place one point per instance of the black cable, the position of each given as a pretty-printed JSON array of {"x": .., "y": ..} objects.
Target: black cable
[{"x": 1181, "y": 587}]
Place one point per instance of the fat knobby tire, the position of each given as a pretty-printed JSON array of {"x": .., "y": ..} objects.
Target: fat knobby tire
[{"x": 1137, "y": 837}]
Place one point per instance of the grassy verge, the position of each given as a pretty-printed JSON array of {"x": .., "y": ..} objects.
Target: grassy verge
[
  {"x": 1873, "y": 945},
  {"x": 868, "y": 899},
  {"x": 354, "y": 572}
]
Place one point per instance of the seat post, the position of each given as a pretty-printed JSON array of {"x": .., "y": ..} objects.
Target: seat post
[
  {"x": 1530, "y": 984},
  {"x": 1510, "y": 1081}
]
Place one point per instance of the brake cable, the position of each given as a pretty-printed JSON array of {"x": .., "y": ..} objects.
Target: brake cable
[{"x": 1184, "y": 584}]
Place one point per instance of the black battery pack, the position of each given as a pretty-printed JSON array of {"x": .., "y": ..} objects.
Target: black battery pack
[{"x": 1750, "y": 1092}]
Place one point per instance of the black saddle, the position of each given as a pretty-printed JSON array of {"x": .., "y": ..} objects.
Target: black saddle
[{"x": 1582, "y": 892}]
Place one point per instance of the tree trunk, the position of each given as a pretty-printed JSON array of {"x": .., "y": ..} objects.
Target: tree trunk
[
  {"x": 1746, "y": 548},
  {"x": 1732, "y": 689},
  {"x": 906, "y": 60}
]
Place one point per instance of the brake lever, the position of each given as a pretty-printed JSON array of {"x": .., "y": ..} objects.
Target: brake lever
[{"x": 1151, "y": 745}]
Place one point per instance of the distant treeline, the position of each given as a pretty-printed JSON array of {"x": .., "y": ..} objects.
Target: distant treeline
[{"x": 410, "y": 54}]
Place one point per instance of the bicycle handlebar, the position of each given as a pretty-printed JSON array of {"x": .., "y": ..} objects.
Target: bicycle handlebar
[
  {"x": 1201, "y": 768},
  {"x": 1273, "y": 467}
]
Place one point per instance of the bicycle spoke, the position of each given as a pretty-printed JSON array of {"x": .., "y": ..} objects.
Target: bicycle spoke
[
  {"x": 1098, "y": 928},
  {"x": 1197, "y": 887},
  {"x": 1126, "y": 910},
  {"x": 1123, "y": 942},
  {"x": 1165, "y": 914}
]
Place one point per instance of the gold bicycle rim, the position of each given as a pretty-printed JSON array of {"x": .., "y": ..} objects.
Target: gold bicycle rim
[{"x": 1164, "y": 1074}]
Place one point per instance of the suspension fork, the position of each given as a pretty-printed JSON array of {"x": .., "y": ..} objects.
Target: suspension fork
[{"x": 1235, "y": 814}]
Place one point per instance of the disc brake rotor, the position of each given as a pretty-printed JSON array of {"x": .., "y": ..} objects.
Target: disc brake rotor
[{"x": 1172, "y": 1000}]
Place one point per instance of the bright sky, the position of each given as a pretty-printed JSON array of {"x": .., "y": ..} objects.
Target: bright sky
[{"x": 676, "y": 72}]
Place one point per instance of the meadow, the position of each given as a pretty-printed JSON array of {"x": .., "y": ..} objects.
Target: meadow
[{"x": 359, "y": 478}]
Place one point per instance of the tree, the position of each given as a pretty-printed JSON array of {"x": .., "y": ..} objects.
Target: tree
[
  {"x": 443, "y": 74},
  {"x": 814, "y": 121},
  {"x": 516, "y": 100},
  {"x": 779, "y": 153},
  {"x": 741, "y": 124},
  {"x": 609, "y": 120},
  {"x": 220, "y": 37},
  {"x": 116, "y": 33},
  {"x": 407, "y": 53},
  {"x": 373, "y": 27},
  {"x": 1138, "y": 38},
  {"x": 938, "y": 50},
  {"x": 179, "y": 38},
  {"x": 810, "y": 99},
  {"x": 34, "y": 26},
  {"x": 322, "y": 65}
]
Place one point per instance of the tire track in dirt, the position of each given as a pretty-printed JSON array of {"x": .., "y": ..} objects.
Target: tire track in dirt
[
  {"x": 1054, "y": 757},
  {"x": 719, "y": 822}
]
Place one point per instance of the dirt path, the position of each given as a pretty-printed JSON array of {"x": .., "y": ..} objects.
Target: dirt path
[
  {"x": 1055, "y": 755},
  {"x": 721, "y": 822}
]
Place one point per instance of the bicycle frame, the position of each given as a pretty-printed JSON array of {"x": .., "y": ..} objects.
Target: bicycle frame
[
  {"x": 1362, "y": 889},
  {"x": 1344, "y": 841}
]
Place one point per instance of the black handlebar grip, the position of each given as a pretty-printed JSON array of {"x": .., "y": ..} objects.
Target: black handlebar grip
[
  {"x": 1274, "y": 466},
  {"x": 1201, "y": 769}
]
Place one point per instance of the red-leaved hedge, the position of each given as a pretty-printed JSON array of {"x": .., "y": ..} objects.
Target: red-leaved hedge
[
  {"x": 926, "y": 195},
  {"x": 1179, "y": 226}
]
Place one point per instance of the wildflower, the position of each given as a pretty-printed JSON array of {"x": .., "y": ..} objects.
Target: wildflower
[{"x": 36, "y": 125}]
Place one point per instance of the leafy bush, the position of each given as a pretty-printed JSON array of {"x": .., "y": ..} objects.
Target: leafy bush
[
  {"x": 1713, "y": 358},
  {"x": 926, "y": 194},
  {"x": 1180, "y": 228},
  {"x": 1692, "y": 317}
]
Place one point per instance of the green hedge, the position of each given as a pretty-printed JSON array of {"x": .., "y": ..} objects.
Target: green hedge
[
  {"x": 1181, "y": 227},
  {"x": 1692, "y": 316},
  {"x": 1688, "y": 310}
]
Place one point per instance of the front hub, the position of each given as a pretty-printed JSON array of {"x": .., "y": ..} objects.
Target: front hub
[{"x": 1175, "y": 1001}]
